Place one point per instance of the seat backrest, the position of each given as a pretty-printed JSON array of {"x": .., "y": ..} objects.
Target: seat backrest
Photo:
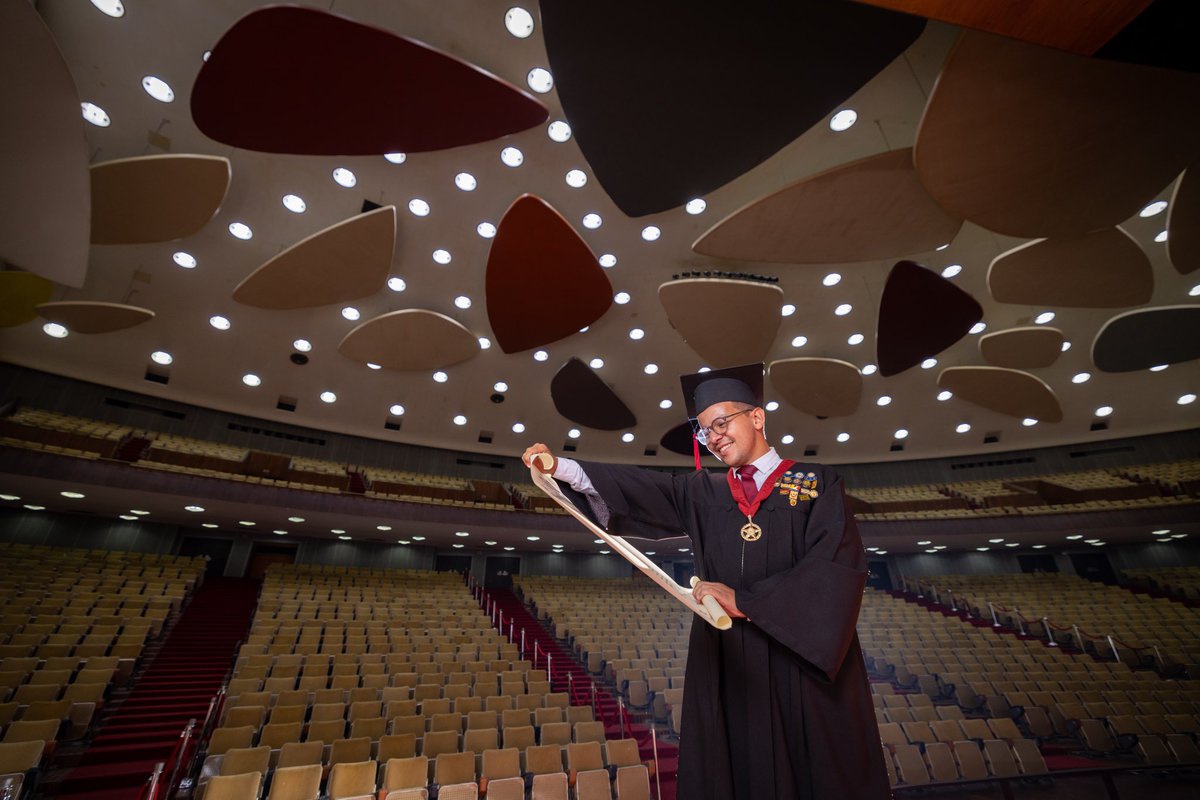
[
  {"x": 504, "y": 763},
  {"x": 970, "y": 760},
  {"x": 941, "y": 762},
  {"x": 396, "y": 745},
  {"x": 224, "y": 739},
  {"x": 350, "y": 750},
  {"x": 589, "y": 731},
  {"x": 999, "y": 758},
  {"x": 234, "y": 787},
  {"x": 549, "y": 786},
  {"x": 593, "y": 785},
  {"x": 405, "y": 773},
  {"x": 584, "y": 756},
  {"x": 296, "y": 783},
  {"x": 910, "y": 764},
  {"x": 633, "y": 783},
  {"x": 543, "y": 759},
  {"x": 1029, "y": 757},
  {"x": 556, "y": 733},
  {"x": 239, "y": 760},
  {"x": 579, "y": 714},
  {"x": 452, "y": 768},
  {"x": 437, "y": 742},
  {"x": 301, "y": 754},
  {"x": 351, "y": 779},
  {"x": 18, "y": 757},
  {"x": 520, "y": 738}
]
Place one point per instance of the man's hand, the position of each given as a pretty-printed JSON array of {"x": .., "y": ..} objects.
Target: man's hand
[
  {"x": 535, "y": 449},
  {"x": 721, "y": 593}
]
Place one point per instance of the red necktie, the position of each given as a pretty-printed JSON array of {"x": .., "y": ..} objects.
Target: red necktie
[{"x": 746, "y": 476}]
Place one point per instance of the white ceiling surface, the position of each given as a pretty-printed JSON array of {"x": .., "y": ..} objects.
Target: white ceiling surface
[{"x": 108, "y": 58}]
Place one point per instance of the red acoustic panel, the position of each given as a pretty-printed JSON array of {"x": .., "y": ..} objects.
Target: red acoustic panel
[
  {"x": 543, "y": 282},
  {"x": 920, "y": 315},
  {"x": 286, "y": 79},
  {"x": 581, "y": 396}
]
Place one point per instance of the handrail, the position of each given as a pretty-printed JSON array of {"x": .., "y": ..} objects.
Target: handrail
[
  {"x": 152, "y": 782},
  {"x": 178, "y": 753}
]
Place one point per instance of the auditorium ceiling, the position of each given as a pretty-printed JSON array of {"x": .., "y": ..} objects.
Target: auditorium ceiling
[{"x": 475, "y": 225}]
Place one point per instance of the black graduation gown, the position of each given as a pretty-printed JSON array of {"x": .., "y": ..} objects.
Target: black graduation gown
[{"x": 777, "y": 707}]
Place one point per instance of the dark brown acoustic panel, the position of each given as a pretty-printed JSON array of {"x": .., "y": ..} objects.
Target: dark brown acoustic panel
[
  {"x": 679, "y": 440},
  {"x": 287, "y": 79},
  {"x": 543, "y": 282},
  {"x": 672, "y": 99},
  {"x": 87, "y": 316},
  {"x": 1147, "y": 338},
  {"x": 920, "y": 315},
  {"x": 1183, "y": 223},
  {"x": 581, "y": 396}
]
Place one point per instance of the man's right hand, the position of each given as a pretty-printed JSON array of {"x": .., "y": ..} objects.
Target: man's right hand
[{"x": 536, "y": 449}]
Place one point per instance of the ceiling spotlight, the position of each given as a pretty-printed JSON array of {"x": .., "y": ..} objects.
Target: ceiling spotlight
[
  {"x": 484, "y": 343},
  {"x": 1067, "y": 346},
  {"x": 540, "y": 355},
  {"x": 486, "y": 229},
  {"x": 799, "y": 341},
  {"x": 951, "y": 270},
  {"x": 883, "y": 400},
  {"x": 772, "y": 406},
  {"x": 112, "y": 8},
  {"x": 978, "y": 327},
  {"x": 963, "y": 427},
  {"x": 459, "y": 419},
  {"x": 540, "y": 80},
  {"x": 902, "y": 433},
  {"x": 512, "y": 157},
  {"x": 418, "y": 207},
  {"x": 1081, "y": 377},
  {"x": 519, "y": 22},
  {"x": 651, "y": 233},
  {"x": 843, "y": 309},
  {"x": 95, "y": 115},
  {"x": 636, "y": 333},
  {"x": 627, "y": 437},
  {"x": 396, "y": 410},
  {"x": 328, "y": 397},
  {"x": 1029, "y": 422},
  {"x": 351, "y": 313},
  {"x": 576, "y": 178},
  {"x": 1161, "y": 237},
  {"x": 855, "y": 338},
  {"x": 219, "y": 322},
  {"x": 294, "y": 203},
  {"x": 250, "y": 379},
  {"x": 397, "y": 284},
  {"x": 944, "y": 395},
  {"x": 240, "y": 230},
  {"x": 295, "y": 519},
  {"x": 161, "y": 357},
  {"x": 1159, "y": 368},
  {"x": 396, "y": 158},
  {"x": 650, "y": 369},
  {"x": 621, "y": 298},
  {"x": 463, "y": 302},
  {"x": 1186, "y": 399},
  {"x": 843, "y": 437},
  {"x": 303, "y": 345},
  {"x": 1157, "y": 207},
  {"x": 695, "y": 206},
  {"x": 185, "y": 260},
  {"x": 500, "y": 386},
  {"x": 1104, "y": 411},
  {"x": 596, "y": 363},
  {"x": 929, "y": 363},
  {"x": 787, "y": 310},
  {"x": 344, "y": 178},
  {"x": 787, "y": 438},
  {"x": 832, "y": 279},
  {"x": 665, "y": 404},
  {"x": 869, "y": 369},
  {"x": 843, "y": 120},
  {"x": 442, "y": 256},
  {"x": 194, "y": 509},
  {"x": 558, "y": 131},
  {"x": 592, "y": 221},
  {"x": 518, "y": 427},
  {"x": 574, "y": 433},
  {"x": 1044, "y": 317},
  {"x": 608, "y": 260}
]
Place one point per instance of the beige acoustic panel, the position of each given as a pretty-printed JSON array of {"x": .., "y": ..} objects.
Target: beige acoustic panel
[
  {"x": 88, "y": 316},
  {"x": 1031, "y": 347},
  {"x": 726, "y": 321},
  {"x": 823, "y": 387},
  {"x": 156, "y": 198},
  {"x": 1183, "y": 223},
  {"x": 346, "y": 261},
  {"x": 1032, "y": 142},
  {"x": 20, "y": 294},
  {"x": 45, "y": 207},
  {"x": 411, "y": 338},
  {"x": 868, "y": 209},
  {"x": 1005, "y": 391},
  {"x": 1101, "y": 269}
]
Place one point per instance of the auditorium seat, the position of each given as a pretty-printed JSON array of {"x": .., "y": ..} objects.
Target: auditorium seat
[{"x": 296, "y": 783}]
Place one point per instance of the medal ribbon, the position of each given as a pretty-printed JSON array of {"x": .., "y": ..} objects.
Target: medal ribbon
[{"x": 739, "y": 495}]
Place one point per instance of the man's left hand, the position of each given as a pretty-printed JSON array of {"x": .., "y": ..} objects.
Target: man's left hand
[{"x": 721, "y": 593}]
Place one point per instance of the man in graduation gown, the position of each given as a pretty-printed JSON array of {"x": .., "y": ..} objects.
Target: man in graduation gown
[{"x": 778, "y": 706}]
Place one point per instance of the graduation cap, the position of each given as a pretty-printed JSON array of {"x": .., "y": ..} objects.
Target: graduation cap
[{"x": 742, "y": 384}]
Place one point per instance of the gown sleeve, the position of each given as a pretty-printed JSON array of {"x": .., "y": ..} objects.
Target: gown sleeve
[
  {"x": 637, "y": 502},
  {"x": 812, "y": 608}
]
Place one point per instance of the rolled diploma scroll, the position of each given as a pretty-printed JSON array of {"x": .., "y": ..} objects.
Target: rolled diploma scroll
[{"x": 710, "y": 611}]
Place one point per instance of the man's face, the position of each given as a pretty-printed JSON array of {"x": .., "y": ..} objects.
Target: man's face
[{"x": 737, "y": 445}]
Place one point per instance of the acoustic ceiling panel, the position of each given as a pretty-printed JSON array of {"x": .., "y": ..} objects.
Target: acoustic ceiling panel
[
  {"x": 44, "y": 194},
  {"x": 823, "y": 387},
  {"x": 751, "y": 308},
  {"x": 346, "y": 261},
  {"x": 868, "y": 209},
  {"x": 581, "y": 396},
  {"x": 1101, "y": 269},
  {"x": 1028, "y": 141},
  {"x": 1183, "y": 223},
  {"x": 287, "y": 79},
  {"x": 88, "y": 316},
  {"x": 1148, "y": 337},
  {"x": 20, "y": 294},
  {"x": 156, "y": 198},
  {"x": 920, "y": 315},
  {"x": 1022, "y": 348},
  {"x": 679, "y": 440},
  {"x": 543, "y": 282},
  {"x": 1005, "y": 391},
  {"x": 673, "y": 100},
  {"x": 411, "y": 338}
]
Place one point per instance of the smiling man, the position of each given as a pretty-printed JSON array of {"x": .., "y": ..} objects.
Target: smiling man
[{"x": 778, "y": 706}]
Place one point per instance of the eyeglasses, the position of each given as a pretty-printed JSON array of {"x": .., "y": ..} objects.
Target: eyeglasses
[{"x": 719, "y": 426}]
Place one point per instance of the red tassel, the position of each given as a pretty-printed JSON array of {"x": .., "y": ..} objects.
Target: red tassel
[{"x": 696, "y": 452}]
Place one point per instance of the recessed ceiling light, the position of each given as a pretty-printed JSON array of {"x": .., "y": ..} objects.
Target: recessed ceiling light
[
  {"x": 294, "y": 203},
  {"x": 128, "y": 517},
  {"x": 457, "y": 546},
  {"x": 1081, "y": 377},
  {"x": 345, "y": 538},
  {"x": 303, "y": 345},
  {"x": 241, "y": 230},
  {"x": 665, "y": 404},
  {"x": 1029, "y": 422},
  {"x": 832, "y": 279},
  {"x": 397, "y": 284},
  {"x": 1194, "y": 291},
  {"x": 463, "y": 534},
  {"x": 418, "y": 207},
  {"x": 1104, "y": 411},
  {"x": 112, "y": 8},
  {"x": 558, "y": 131},
  {"x": 484, "y": 343},
  {"x": 787, "y": 310},
  {"x": 209, "y": 525},
  {"x": 465, "y": 181},
  {"x": 540, "y": 80},
  {"x": 519, "y": 22},
  {"x": 295, "y": 519},
  {"x": 490, "y": 543},
  {"x": 1159, "y": 368},
  {"x": 592, "y": 221},
  {"x": 1186, "y": 399},
  {"x": 351, "y": 313},
  {"x": 596, "y": 363},
  {"x": 540, "y": 355},
  {"x": 882, "y": 552},
  {"x": 250, "y": 379},
  {"x": 194, "y": 509},
  {"x": 942, "y": 247},
  {"x": 279, "y": 532},
  {"x": 944, "y": 395},
  {"x": 1065, "y": 346},
  {"x": 843, "y": 120},
  {"x": 855, "y": 338},
  {"x": 73, "y": 495},
  {"x": 518, "y": 427},
  {"x": 924, "y": 543},
  {"x": 510, "y": 549},
  {"x": 463, "y": 302},
  {"x": 328, "y": 397},
  {"x": 787, "y": 438},
  {"x": 902, "y": 433},
  {"x": 185, "y": 260},
  {"x": 247, "y": 523},
  {"x": 533, "y": 538},
  {"x": 512, "y": 157},
  {"x": 627, "y": 437},
  {"x": 636, "y": 333},
  {"x": 695, "y": 206},
  {"x": 500, "y": 386},
  {"x": 576, "y": 178},
  {"x": 651, "y": 233},
  {"x": 1157, "y": 207},
  {"x": 396, "y": 410},
  {"x": 442, "y": 256},
  {"x": 396, "y": 158},
  {"x": 161, "y": 357},
  {"x": 95, "y": 115},
  {"x": 843, "y": 437},
  {"x": 650, "y": 369},
  {"x": 883, "y": 400},
  {"x": 682, "y": 549},
  {"x": 1161, "y": 532},
  {"x": 621, "y": 298},
  {"x": 608, "y": 260},
  {"x": 799, "y": 341},
  {"x": 951, "y": 270},
  {"x": 1044, "y": 317},
  {"x": 574, "y": 433},
  {"x": 983, "y": 549},
  {"x": 703, "y": 370},
  {"x": 486, "y": 229},
  {"x": 418, "y": 538},
  {"x": 963, "y": 427},
  {"x": 843, "y": 309},
  {"x": 772, "y": 406},
  {"x": 929, "y": 363},
  {"x": 440, "y": 377},
  {"x": 459, "y": 419},
  {"x": 33, "y": 507},
  {"x": 336, "y": 530},
  {"x": 373, "y": 366},
  {"x": 344, "y": 178},
  {"x": 1039, "y": 547},
  {"x": 139, "y": 511},
  {"x": 1075, "y": 536},
  {"x": 1161, "y": 237}
]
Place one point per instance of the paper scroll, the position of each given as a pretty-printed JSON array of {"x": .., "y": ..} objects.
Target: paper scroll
[{"x": 710, "y": 611}]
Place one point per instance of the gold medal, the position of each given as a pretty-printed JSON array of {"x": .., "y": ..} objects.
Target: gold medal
[{"x": 751, "y": 532}]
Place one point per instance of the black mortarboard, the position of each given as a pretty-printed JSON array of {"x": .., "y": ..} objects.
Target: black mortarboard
[{"x": 742, "y": 384}]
